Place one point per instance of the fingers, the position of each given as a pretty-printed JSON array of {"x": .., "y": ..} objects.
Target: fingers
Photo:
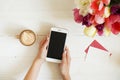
[
  {"x": 48, "y": 35},
  {"x": 68, "y": 56},
  {"x": 64, "y": 57},
  {"x": 42, "y": 41},
  {"x": 45, "y": 42}
]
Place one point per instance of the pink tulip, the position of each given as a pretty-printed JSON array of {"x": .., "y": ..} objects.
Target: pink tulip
[
  {"x": 77, "y": 17},
  {"x": 106, "y": 2}
]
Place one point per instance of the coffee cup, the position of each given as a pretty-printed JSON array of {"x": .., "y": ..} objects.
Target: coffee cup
[{"x": 27, "y": 37}]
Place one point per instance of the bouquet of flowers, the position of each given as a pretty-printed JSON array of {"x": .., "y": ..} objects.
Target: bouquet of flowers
[{"x": 98, "y": 16}]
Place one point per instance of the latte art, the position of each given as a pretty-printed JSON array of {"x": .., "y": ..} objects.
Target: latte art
[{"x": 27, "y": 37}]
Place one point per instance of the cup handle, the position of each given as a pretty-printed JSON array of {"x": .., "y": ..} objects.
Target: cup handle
[{"x": 17, "y": 36}]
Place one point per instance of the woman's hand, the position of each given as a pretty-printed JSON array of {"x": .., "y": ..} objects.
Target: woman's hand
[
  {"x": 65, "y": 65},
  {"x": 42, "y": 53}
]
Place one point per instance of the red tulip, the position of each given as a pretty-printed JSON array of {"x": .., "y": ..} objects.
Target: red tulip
[
  {"x": 98, "y": 6},
  {"x": 113, "y": 22}
]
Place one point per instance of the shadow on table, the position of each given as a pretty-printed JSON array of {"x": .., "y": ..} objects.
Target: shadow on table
[
  {"x": 115, "y": 58},
  {"x": 44, "y": 28},
  {"x": 14, "y": 29}
]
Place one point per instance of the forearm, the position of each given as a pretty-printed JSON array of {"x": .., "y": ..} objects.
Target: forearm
[{"x": 34, "y": 70}]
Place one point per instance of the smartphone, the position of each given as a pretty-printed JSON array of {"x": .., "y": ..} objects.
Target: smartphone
[{"x": 56, "y": 44}]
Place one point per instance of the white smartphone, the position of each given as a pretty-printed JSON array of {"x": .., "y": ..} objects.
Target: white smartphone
[{"x": 56, "y": 44}]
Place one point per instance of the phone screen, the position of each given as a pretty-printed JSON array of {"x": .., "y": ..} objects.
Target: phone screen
[{"x": 56, "y": 45}]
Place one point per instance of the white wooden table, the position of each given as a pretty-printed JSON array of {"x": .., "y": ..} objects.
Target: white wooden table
[{"x": 39, "y": 16}]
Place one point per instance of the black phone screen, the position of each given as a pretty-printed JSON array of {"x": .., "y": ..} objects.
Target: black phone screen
[{"x": 56, "y": 45}]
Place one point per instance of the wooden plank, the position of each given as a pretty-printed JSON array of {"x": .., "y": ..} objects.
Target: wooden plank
[{"x": 40, "y": 16}]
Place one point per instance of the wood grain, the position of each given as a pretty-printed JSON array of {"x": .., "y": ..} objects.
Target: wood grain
[{"x": 40, "y": 16}]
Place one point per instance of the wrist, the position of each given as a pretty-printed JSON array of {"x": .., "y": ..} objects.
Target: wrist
[
  {"x": 66, "y": 77},
  {"x": 38, "y": 60}
]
